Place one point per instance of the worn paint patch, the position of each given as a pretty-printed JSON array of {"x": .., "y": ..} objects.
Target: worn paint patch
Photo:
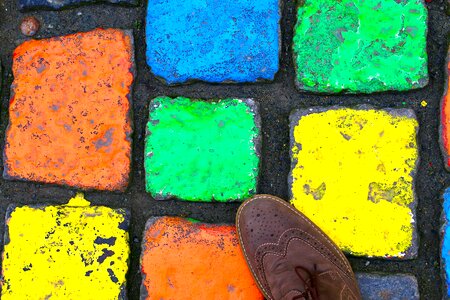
[
  {"x": 213, "y": 41},
  {"x": 445, "y": 117},
  {"x": 72, "y": 251},
  {"x": 388, "y": 287},
  {"x": 445, "y": 243},
  {"x": 59, "y": 4},
  {"x": 182, "y": 257},
  {"x": 353, "y": 174},
  {"x": 70, "y": 112},
  {"x": 361, "y": 45},
  {"x": 202, "y": 151}
]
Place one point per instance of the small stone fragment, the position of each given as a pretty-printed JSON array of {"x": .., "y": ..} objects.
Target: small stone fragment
[
  {"x": 53, "y": 252},
  {"x": 360, "y": 46},
  {"x": 70, "y": 111},
  {"x": 183, "y": 257},
  {"x": 352, "y": 174},
  {"x": 388, "y": 287},
  {"x": 29, "y": 26},
  {"x": 213, "y": 41},
  {"x": 202, "y": 151}
]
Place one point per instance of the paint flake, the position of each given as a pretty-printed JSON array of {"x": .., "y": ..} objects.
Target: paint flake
[
  {"x": 69, "y": 114},
  {"x": 360, "y": 46},
  {"x": 213, "y": 41},
  {"x": 183, "y": 257},
  {"x": 65, "y": 252},
  {"x": 202, "y": 151},
  {"x": 353, "y": 174}
]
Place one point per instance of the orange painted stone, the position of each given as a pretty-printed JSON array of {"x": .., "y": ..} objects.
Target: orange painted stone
[
  {"x": 184, "y": 259},
  {"x": 445, "y": 116},
  {"x": 69, "y": 113}
]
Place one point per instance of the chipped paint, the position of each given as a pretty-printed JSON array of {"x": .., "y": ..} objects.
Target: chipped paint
[
  {"x": 202, "y": 151},
  {"x": 445, "y": 116},
  {"x": 353, "y": 173},
  {"x": 69, "y": 114},
  {"x": 181, "y": 257},
  {"x": 213, "y": 41},
  {"x": 360, "y": 45},
  {"x": 72, "y": 251},
  {"x": 445, "y": 243}
]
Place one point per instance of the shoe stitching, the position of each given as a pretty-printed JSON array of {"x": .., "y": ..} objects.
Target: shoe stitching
[
  {"x": 341, "y": 294},
  {"x": 293, "y": 290},
  {"x": 260, "y": 262},
  {"x": 266, "y": 294},
  {"x": 354, "y": 297},
  {"x": 324, "y": 273},
  {"x": 309, "y": 222},
  {"x": 279, "y": 244},
  {"x": 327, "y": 272}
]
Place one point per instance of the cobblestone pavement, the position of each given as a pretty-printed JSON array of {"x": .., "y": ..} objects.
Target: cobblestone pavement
[{"x": 408, "y": 178}]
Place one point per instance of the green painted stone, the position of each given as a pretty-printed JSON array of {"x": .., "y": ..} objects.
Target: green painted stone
[
  {"x": 202, "y": 151},
  {"x": 359, "y": 46}
]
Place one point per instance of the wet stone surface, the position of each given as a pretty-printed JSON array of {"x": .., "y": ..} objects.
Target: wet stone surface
[
  {"x": 352, "y": 174},
  {"x": 69, "y": 112},
  {"x": 202, "y": 151},
  {"x": 360, "y": 46},
  {"x": 183, "y": 257},
  {"x": 213, "y": 41},
  {"x": 72, "y": 251},
  {"x": 388, "y": 287}
]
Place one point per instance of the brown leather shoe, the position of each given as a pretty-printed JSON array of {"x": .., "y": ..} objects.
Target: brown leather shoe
[{"x": 290, "y": 257}]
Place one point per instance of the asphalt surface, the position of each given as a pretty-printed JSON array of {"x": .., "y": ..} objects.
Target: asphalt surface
[{"x": 277, "y": 100}]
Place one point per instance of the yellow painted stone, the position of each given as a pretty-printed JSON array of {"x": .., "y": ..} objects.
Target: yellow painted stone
[
  {"x": 72, "y": 251},
  {"x": 353, "y": 175}
]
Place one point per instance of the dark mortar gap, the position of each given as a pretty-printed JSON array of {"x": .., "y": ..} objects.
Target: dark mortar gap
[{"x": 277, "y": 100}]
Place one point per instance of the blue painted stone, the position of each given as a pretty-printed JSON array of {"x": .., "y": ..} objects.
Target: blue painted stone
[
  {"x": 445, "y": 244},
  {"x": 59, "y": 4},
  {"x": 388, "y": 287},
  {"x": 213, "y": 40}
]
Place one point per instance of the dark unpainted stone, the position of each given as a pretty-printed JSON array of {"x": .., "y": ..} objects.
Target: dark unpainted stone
[
  {"x": 59, "y": 4},
  {"x": 388, "y": 287}
]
